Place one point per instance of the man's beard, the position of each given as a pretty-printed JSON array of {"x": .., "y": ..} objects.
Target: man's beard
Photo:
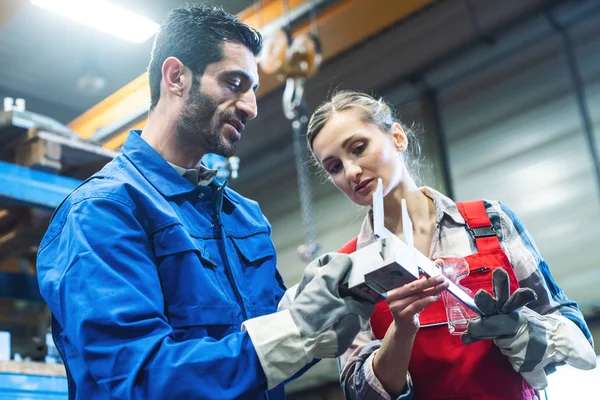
[{"x": 198, "y": 125}]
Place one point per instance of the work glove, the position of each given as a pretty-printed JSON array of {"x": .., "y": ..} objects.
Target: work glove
[
  {"x": 316, "y": 323},
  {"x": 501, "y": 315},
  {"x": 530, "y": 341}
]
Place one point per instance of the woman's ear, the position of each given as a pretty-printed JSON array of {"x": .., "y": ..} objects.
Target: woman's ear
[{"x": 399, "y": 138}]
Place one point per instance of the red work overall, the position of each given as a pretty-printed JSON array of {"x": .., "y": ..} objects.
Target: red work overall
[{"x": 441, "y": 366}]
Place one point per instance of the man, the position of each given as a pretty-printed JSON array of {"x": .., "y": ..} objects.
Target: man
[{"x": 161, "y": 280}]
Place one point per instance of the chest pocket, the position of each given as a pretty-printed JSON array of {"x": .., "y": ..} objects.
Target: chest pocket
[
  {"x": 258, "y": 267},
  {"x": 192, "y": 292},
  {"x": 481, "y": 269}
]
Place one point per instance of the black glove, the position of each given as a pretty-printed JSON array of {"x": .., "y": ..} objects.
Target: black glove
[{"x": 501, "y": 314}]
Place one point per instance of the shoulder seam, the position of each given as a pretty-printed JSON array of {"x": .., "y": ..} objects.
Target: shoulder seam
[{"x": 72, "y": 204}]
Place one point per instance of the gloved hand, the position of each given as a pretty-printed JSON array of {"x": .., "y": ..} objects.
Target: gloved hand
[
  {"x": 317, "y": 323},
  {"x": 502, "y": 317},
  {"x": 319, "y": 310},
  {"x": 529, "y": 340}
]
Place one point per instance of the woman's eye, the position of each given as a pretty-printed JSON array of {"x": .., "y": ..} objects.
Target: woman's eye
[
  {"x": 334, "y": 169},
  {"x": 358, "y": 149}
]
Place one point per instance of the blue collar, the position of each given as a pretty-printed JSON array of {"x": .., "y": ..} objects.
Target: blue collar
[{"x": 157, "y": 170}]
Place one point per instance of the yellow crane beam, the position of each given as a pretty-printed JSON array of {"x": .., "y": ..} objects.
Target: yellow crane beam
[{"x": 341, "y": 27}]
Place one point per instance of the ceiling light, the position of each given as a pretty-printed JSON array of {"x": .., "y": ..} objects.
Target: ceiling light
[{"x": 104, "y": 17}]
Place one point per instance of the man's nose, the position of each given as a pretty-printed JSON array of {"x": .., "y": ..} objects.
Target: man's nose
[{"x": 247, "y": 104}]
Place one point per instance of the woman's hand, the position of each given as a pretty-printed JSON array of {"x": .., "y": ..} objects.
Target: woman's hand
[
  {"x": 390, "y": 362},
  {"x": 406, "y": 302}
]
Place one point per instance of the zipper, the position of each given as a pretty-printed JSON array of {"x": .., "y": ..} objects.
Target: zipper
[
  {"x": 228, "y": 270},
  {"x": 61, "y": 351},
  {"x": 229, "y": 273},
  {"x": 481, "y": 269},
  {"x": 218, "y": 199}
]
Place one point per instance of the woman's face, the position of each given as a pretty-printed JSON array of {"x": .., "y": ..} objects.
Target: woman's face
[{"x": 355, "y": 154}]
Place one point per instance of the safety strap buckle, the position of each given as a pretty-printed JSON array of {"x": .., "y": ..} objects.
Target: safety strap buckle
[{"x": 482, "y": 232}]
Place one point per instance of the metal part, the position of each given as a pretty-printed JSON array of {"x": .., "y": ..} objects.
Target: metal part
[
  {"x": 11, "y": 104},
  {"x": 293, "y": 98}
]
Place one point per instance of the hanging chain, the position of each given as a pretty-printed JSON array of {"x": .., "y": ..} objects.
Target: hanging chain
[
  {"x": 302, "y": 60},
  {"x": 295, "y": 109}
]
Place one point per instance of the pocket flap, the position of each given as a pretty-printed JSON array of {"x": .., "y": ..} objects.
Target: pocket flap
[
  {"x": 176, "y": 239},
  {"x": 255, "y": 247}
]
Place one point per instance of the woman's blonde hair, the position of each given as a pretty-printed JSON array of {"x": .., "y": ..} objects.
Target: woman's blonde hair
[{"x": 374, "y": 111}]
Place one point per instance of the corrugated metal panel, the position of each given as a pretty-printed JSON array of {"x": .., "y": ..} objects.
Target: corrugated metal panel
[{"x": 515, "y": 134}]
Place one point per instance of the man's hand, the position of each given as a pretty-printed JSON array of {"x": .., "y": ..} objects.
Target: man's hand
[
  {"x": 326, "y": 319},
  {"x": 313, "y": 321}
]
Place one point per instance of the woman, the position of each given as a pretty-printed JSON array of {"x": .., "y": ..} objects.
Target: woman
[{"x": 408, "y": 351}]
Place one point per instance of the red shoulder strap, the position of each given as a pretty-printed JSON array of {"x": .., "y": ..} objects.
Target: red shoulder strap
[
  {"x": 349, "y": 247},
  {"x": 479, "y": 225}
]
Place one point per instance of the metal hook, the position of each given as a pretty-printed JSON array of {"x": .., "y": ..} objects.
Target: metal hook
[{"x": 293, "y": 98}]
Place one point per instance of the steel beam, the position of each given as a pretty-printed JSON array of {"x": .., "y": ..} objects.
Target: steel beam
[{"x": 24, "y": 186}]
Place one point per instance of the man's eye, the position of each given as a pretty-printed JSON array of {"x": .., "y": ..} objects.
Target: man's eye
[{"x": 234, "y": 85}]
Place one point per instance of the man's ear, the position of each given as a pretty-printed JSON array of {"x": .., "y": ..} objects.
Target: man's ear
[{"x": 175, "y": 76}]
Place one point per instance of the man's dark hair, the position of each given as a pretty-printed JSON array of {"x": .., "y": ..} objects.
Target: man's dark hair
[{"x": 195, "y": 34}]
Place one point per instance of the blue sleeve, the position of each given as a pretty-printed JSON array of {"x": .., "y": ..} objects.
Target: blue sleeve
[
  {"x": 280, "y": 287},
  {"x": 551, "y": 298},
  {"x": 97, "y": 273}
]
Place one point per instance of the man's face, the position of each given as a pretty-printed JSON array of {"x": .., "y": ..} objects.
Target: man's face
[{"x": 221, "y": 103}]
